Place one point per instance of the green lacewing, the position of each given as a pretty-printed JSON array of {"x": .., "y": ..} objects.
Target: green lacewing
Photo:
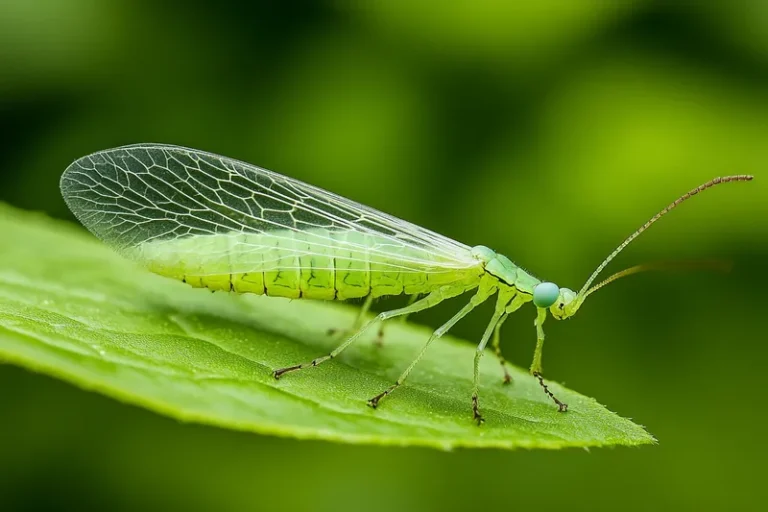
[{"x": 217, "y": 223}]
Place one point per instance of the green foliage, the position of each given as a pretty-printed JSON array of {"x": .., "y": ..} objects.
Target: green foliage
[{"x": 71, "y": 308}]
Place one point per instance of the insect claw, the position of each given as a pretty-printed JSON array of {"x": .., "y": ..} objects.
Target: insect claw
[
  {"x": 561, "y": 406},
  {"x": 279, "y": 373},
  {"x": 374, "y": 402},
  {"x": 476, "y": 412},
  {"x": 507, "y": 378}
]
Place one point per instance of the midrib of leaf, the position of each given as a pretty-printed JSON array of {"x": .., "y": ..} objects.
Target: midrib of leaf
[{"x": 71, "y": 308}]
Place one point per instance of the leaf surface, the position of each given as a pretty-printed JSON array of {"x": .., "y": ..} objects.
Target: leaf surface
[{"x": 71, "y": 308}]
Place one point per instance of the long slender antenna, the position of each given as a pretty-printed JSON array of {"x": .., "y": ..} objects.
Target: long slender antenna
[
  {"x": 673, "y": 205},
  {"x": 713, "y": 265}
]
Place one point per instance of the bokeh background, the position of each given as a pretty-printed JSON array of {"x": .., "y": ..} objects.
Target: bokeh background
[{"x": 547, "y": 130}]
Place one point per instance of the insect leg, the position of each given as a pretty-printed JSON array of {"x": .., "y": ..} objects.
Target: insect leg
[
  {"x": 496, "y": 345},
  {"x": 411, "y": 299},
  {"x": 536, "y": 364},
  {"x": 513, "y": 306},
  {"x": 485, "y": 290},
  {"x": 358, "y": 320},
  {"x": 502, "y": 303},
  {"x": 427, "y": 302},
  {"x": 380, "y": 336}
]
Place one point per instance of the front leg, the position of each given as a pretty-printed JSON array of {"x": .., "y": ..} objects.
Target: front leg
[
  {"x": 536, "y": 364},
  {"x": 561, "y": 406}
]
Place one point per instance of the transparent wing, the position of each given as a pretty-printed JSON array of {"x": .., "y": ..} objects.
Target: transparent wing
[{"x": 145, "y": 195}]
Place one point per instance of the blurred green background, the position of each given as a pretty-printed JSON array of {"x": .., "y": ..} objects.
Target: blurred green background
[{"x": 547, "y": 130}]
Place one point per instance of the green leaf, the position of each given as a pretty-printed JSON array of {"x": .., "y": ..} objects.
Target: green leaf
[{"x": 71, "y": 308}]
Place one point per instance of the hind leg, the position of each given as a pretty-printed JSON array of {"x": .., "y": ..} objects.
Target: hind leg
[
  {"x": 431, "y": 300},
  {"x": 359, "y": 319},
  {"x": 402, "y": 319}
]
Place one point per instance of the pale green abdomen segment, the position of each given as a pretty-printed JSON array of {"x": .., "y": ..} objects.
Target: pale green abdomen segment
[{"x": 312, "y": 264}]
